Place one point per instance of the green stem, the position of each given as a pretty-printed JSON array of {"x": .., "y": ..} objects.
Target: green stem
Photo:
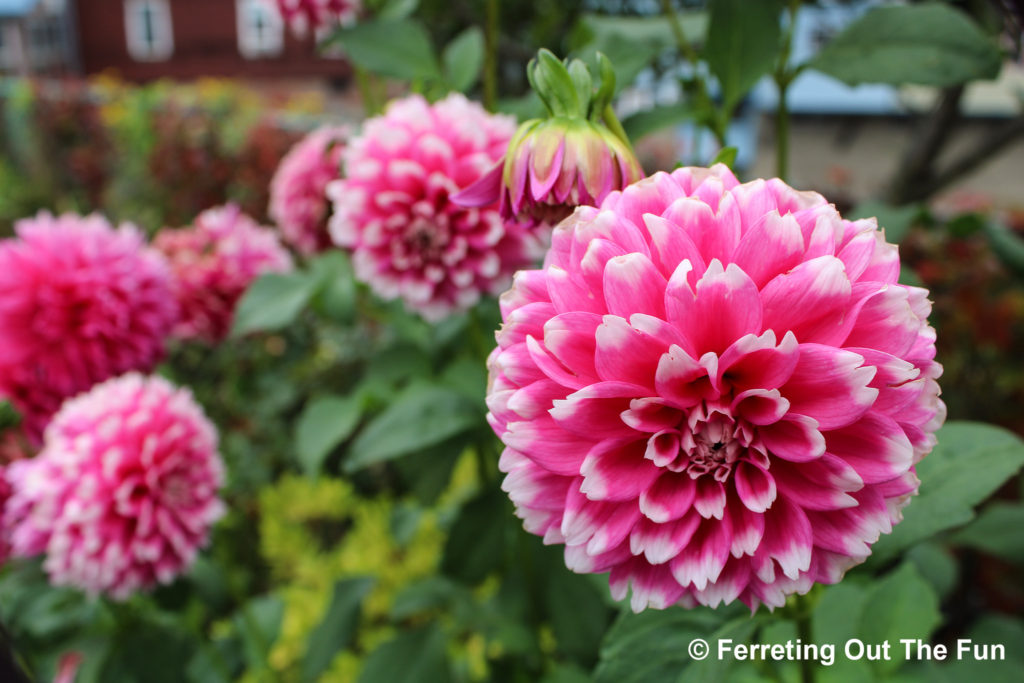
[
  {"x": 715, "y": 123},
  {"x": 805, "y": 634},
  {"x": 366, "y": 91},
  {"x": 615, "y": 126},
  {"x": 783, "y": 77},
  {"x": 490, "y": 76}
]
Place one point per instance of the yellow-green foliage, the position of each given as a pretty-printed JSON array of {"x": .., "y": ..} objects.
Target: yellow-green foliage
[{"x": 290, "y": 511}]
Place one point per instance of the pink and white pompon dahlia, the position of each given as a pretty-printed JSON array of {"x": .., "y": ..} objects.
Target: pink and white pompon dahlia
[
  {"x": 124, "y": 492},
  {"x": 80, "y": 302},
  {"x": 714, "y": 391},
  {"x": 393, "y": 209},
  {"x": 298, "y": 199},
  {"x": 214, "y": 262},
  {"x": 303, "y": 14}
]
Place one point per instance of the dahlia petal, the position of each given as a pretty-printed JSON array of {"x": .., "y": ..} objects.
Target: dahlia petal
[
  {"x": 772, "y": 246},
  {"x": 886, "y": 322},
  {"x": 632, "y": 284},
  {"x": 550, "y": 446},
  {"x": 747, "y": 529},
  {"x": 651, "y": 415},
  {"x": 874, "y": 446},
  {"x": 683, "y": 381},
  {"x": 809, "y": 300},
  {"x": 709, "y": 501},
  {"x": 813, "y": 493},
  {"x": 617, "y": 471},
  {"x": 625, "y": 353},
  {"x": 595, "y": 261},
  {"x": 788, "y": 537},
  {"x": 760, "y": 406},
  {"x": 755, "y": 487},
  {"x": 795, "y": 438},
  {"x": 571, "y": 339},
  {"x": 671, "y": 245},
  {"x": 830, "y": 385},
  {"x": 728, "y": 297},
  {"x": 594, "y": 410},
  {"x": 659, "y": 543},
  {"x": 756, "y": 362},
  {"x": 567, "y": 294},
  {"x": 706, "y": 555},
  {"x": 669, "y": 497}
]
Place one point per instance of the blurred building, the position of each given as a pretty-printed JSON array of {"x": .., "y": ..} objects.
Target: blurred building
[
  {"x": 184, "y": 39},
  {"x": 36, "y": 38}
]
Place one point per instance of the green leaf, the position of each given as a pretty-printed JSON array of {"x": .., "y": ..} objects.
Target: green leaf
[
  {"x": 427, "y": 472},
  {"x": 151, "y": 651},
  {"x": 335, "y": 285},
  {"x": 937, "y": 565},
  {"x": 416, "y": 656},
  {"x": 476, "y": 542},
  {"x": 463, "y": 58},
  {"x": 997, "y": 530},
  {"x": 259, "y": 624},
  {"x": 272, "y": 302},
  {"x": 927, "y": 44},
  {"x": 337, "y": 629},
  {"x": 652, "y": 120},
  {"x": 894, "y": 220},
  {"x": 433, "y": 592},
  {"x": 419, "y": 417},
  {"x": 650, "y": 647},
  {"x": 551, "y": 81},
  {"x": 395, "y": 48},
  {"x": 726, "y": 155},
  {"x": 712, "y": 669},
  {"x": 576, "y": 611},
  {"x": 325, "y": 422},
  {"x": 1007, "y": 244},
  {"x": 969, "y": 463},
  {"x": 742, "y": 45},
  {"x": 901, "y": 605},
  {"x": 397, "y": 9}
]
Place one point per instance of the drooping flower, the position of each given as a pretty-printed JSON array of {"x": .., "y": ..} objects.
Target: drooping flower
[
  {"x": 394, "y": 210},
  {"x": 298, "y": 199},
  {"x": 124, "y": 492},
  {"x": 572, "y": 158},
  {"x": 80, "y": 302},
  {"x": 303, "y": 14},
  {"x": 214, "y": 262},
  {"x": 714, "y": 391}
]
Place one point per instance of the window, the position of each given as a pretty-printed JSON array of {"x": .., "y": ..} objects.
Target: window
[
  {"x": 148, "y": 30},
  {"x": 260, "y": 28}
]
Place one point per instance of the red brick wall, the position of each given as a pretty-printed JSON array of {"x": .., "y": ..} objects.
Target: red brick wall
[{"x": 205, "y": 44}]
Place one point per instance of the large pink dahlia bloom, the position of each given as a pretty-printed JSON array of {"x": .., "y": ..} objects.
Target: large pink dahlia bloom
[
  {"x": 214, "y": 262},
  {"x": 394, "y": 210},
  {"x": 80, "y": 302},
  {"x": 298, "y": 198},
  {"x": 714, "y": 391},
  {"x": 124, "y": 492}
]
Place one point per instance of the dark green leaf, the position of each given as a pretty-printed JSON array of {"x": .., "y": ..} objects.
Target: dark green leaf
[
  {"x": 272, "y": 302},
  {"x": 577, "y": 612},
  {"x": 927, "y": 44},
  {"x": 1008, "y": 246},
  {"x": 419, "y": 417},
  {"x": 416, "y": 656},
  {"x": 742, "y": 45},
  {"x": 998, "y": 530},
  {"x": 901, "y": 605},
  {"x": 712, "y": 669},
  {"x": 259, "y": 623},
  {"x": 645, "y": 122},
  {"x": 970, "y": 461},
  {"x": 433, "y": 592},
  {"x": 397, "y": 9},
  {"x": 337, "y": 629},
  {"x": 463, "y": 58},
  {"x": 650, "y": 647},
  {"x": 476, "y": 543},
  {"x": 325, "y": 422},
  {"x": 726, "y": 155},
  {"x": 937, "y": 565},
  {"x": 150, "y": 651},
  {"x": 336, "y": 285},
  {"x": 427, "y": 472},
  {"x": 894, "y": 220},
  {"x": 551, "y": 80},
  {"x": 397, "y": 49}
]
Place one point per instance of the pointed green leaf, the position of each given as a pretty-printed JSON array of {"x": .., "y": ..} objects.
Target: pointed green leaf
[
  {"x": 337, "y": 629},
  {"x": 325, "y": 422},
  {"x": 464, "y": 58},
  {"x": 272, "y": 302},
  {"x": 742, "y": 44}
]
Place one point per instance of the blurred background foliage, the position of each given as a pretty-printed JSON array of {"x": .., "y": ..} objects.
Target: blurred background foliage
[{"x": 368, "y": 538}]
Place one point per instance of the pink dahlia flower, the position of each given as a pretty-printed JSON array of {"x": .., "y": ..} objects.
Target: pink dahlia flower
[
  {"x": 714, "y": 391},
  {"x": 394, "y": 210},
  {"x": 124, "y": 492},
  {"x": 80, "y": 302},
  {"x": 214, "y": 262},
  {"x": 298, "y": 199},
  {"x": 303, "y": 14}
]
